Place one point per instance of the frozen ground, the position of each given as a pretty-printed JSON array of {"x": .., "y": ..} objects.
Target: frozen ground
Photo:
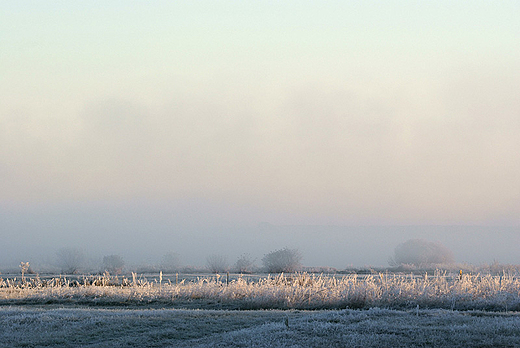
[
  {"x": 51, "y": 326},
  {"x": 297, "y": 310}
]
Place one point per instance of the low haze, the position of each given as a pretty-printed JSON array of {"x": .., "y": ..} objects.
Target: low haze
[{"x": 341, "y": 128}]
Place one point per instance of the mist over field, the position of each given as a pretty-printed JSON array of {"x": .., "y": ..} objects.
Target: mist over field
[
  {"x": 144, "y": 234},
  {"x": 338, "y": 129},
  {"x": 259, "y": 173}
]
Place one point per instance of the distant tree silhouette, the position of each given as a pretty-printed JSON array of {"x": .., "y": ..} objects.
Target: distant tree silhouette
[
  {"x": 113, "y": 264},
  {"x": 244, "y": 264},
  {"x": 419, "y": 252},
  {"x": 217, "y": 263},
  {"x": 70, "y": 260},
  {"x": 170, "y": 262},
  {"x": 283, "y": 260}
]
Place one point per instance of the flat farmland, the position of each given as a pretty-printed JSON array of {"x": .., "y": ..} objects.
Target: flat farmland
[
  {"x": 62, "y": 326},
  {"x": 295, "y": 310}
]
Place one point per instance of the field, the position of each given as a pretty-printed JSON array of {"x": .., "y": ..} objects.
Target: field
[{"x": 298, "y": 310}]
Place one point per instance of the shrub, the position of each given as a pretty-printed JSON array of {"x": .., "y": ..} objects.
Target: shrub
[
  {"x": 113, "y": 264},
  {"x": 283, "y": 260},
  {"x": 244, "y": 264},
  {"x": 170, "y": 262},
  {"x": 217, "y": 263},
  {"x": 70, "y": 260},
  {"x": 419, "y": 252}
]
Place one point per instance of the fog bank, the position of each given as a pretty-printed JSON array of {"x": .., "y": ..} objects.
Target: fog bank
[{"x": 143, "y": 234}]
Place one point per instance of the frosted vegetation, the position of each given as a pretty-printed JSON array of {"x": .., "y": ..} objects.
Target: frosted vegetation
[
  {"x": 291, "y": 291},
  {"x": 375, "y": 310},
  {"x": 409, "y": 304},
  {"x": 23, "y": 326}
]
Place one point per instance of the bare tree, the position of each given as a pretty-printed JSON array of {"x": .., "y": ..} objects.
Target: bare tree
[
  {"x": 217, "y": 263},
  {"x": 244, "y": 264},
  {"x": 70, "y": 260},
  {"x": 419, "y": 252},
  {"x": 283, "y": 260},
  {"x": 113, "y": 264},
  {"x": 170, "y": 262}
]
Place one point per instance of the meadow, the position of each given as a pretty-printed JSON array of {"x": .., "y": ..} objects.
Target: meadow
[
  {"x": 301, "y": 291},
  {"x": 298, "y": 310}
]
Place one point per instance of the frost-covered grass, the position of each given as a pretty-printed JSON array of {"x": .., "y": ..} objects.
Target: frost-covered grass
[
  {"x": 23, "y": 326},
  {"x": 384, "y": 310},
  {"x": 295, "y": 291},
  {"x": 376, "y": 328},
  {"x": 80, "y": 327}
]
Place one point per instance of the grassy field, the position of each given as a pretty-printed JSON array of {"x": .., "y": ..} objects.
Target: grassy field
[
  {"x": 294, "y": 291},
  {"x": 296, "y": 310},
  {"x": 51, "y": 326}
]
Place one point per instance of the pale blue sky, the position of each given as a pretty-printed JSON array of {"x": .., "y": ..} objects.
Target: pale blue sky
[{"x": 293, "y": 112}]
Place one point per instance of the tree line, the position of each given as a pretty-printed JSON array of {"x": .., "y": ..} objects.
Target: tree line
[{"x": 414, "y": 252}]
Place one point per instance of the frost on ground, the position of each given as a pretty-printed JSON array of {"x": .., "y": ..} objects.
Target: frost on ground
[
  {"x": 385, "y": 310},
  {"x": 87, "y": 327},
  {"x": 296, "y": 291},
  {"x": 81, "y": 326}
]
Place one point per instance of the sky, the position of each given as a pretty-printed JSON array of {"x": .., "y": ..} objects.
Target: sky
[{"x": 223, "y": 115}]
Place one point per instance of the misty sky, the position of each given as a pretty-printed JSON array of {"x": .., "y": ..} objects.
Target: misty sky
[{"x": 233, "y": 113}]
